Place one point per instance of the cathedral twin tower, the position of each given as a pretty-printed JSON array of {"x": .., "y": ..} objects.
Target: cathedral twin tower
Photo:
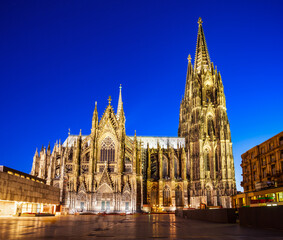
[{"x": 110, "y": 171}]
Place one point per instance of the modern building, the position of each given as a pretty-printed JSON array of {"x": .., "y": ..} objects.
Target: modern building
[
  {"x": 262, "y": 168},
  {"x": 107, "y": 170},
  {"x": 21, "y": 193}
]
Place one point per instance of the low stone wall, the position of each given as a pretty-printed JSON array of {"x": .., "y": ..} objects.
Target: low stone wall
[
  {"x": 224, "y": 215},
  {"x": 15, "y": 188},
  {"x": 262, "y": 217}
]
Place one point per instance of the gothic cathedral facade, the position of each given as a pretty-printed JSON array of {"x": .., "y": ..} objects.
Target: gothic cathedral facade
[{"x": 108, "y": 171}]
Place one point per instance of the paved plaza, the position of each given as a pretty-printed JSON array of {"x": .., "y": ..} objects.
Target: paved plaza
[{"x": 126, "y": 227}]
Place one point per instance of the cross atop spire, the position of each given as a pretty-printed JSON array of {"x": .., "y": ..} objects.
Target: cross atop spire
[
  {"x": 120, "y": 103},
  {"x": 189, "y": 58},
  {"x": 202, "y": 59},
  {"x": 109, "y": 100}
]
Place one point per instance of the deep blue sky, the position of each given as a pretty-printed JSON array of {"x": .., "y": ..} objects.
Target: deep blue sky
[{"x": 59, "y": 57}]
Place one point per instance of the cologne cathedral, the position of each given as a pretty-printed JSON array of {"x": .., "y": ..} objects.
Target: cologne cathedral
[{"x": 108, "y": 171}]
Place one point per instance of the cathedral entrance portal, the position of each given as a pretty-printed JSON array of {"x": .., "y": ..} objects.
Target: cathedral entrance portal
[
  {"x": 82, "y": 206},
  {"x": 105, "y": 205},
  {"x": 127, "y": 206},
  {"x": 105, "y": 198}
]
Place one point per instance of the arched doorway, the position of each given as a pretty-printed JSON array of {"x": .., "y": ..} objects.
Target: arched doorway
[
  {"x": 105, "y": 198},
  {"x": 209, "y": 196},
  {"x": 81, "y": 202},
  {"x": 126, "y": 199}
]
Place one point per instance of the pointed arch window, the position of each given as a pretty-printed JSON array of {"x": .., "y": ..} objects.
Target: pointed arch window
[
  {"x": 176, "y": 167},
  {"x": 165, "y": 167},
  {"x": 70, "y": 157},
  {"x": 216, "y": 161},
  {"x": 86, "y": 157},
  {"x": 154, "y": 166},
  {"x": 210, "y": 127},
  {"x": 107, "y": 151},
  {"x": 206, "y": 160}
]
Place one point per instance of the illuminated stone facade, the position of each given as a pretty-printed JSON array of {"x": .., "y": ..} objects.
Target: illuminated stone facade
[
  {"x": 262, "y": 165},
  {"x": 110, "y": 171},
  {"x": 205, "y": 126}
]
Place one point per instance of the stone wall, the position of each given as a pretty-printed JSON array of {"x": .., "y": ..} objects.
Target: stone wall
[
  {"x": 225, "y": 215},
  {"x": 15, "y": 188}
]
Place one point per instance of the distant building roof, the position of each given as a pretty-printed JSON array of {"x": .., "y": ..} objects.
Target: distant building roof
[
  {"x": 72, "y": 139},
  {"x": 164, "y": 142}
]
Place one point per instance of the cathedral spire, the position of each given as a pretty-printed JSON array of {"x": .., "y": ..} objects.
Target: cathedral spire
[
  {"x": 120, "y": 103},
  {"x": 94, "y": 118},
  {"x": 202, "y": 59},
  {"x": 189, "y": 76},
  {"x": 36, "y": 153}
]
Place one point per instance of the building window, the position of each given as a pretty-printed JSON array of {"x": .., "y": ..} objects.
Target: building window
[
  {"x": 263, "y": 161},
  {"x": 254, "y": 166},
  {"x": 262, "y": 150},
  {"x": 176, "y": 167},
  {"x": 254, "y": 176},
  {"x": 281, "y": 166},
  {"x": 86, "y": 158},
  {"x": 101, "y": 168},
  {"x": 58, "y": 161},
  {"x": 206, "y": 160},
  {"x": 165, "y": 167},
  {"x": 281, "y": 154},
  {"x": 271, "y": 145},
  {"x": 272, "y": 158},
  {"x": 273, "y": 171},
  {"x": 84, "y": 169},
  {"x": 70, "y": 157},
  {"x": 128, "y": 168},
  {"x": 281, "y": 141},
  {"x": 264, "y": 173},
  {"x": 154, "y": 166},
  {"x": 210, "y": 127},
  {"x": 107, "y": 152},
  {"x": 57, "y": 172},
  {"x": 216, "y": 162}
]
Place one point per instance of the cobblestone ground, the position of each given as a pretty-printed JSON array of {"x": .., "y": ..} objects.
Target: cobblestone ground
[{"x": 126, "y": 227}]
